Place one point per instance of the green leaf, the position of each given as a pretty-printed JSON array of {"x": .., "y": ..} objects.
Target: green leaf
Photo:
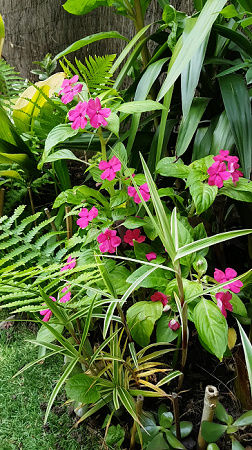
[
  {"x": 191, "y": 288},
  {"x": 89, "y": 40},
  {"x": 195, "y": 38},
  {"x": 173, "y": 441},
  {"x": 236, "y": 445},
  {"x": 242, "y": 191},
  {"x": 167, "y": 167},
  {"x": 141, "y": 318},
  {"x": 115, "y": 436},
  {"x": 150, "y": 429},
  {"x": 238, "y": 306},
  {"x": 189, "y": 124},
  {"x": 247, "y": 348},
  {"x": 46, "y": 335},
  {"x": 156, "y": 280},
  {"x": 237, "y": 37},
  {"x": 229, "y": 11},
  {"x": 244, "y": 420},
  {"x": 113, "y": 124},
  {"x": 166, "y": 419},
  {"x": 207, "y": 242},
  {"x": 222, "y": 136},
  {"x": 237, "y": 105},
  {"x": 120, "y": 152},
  {"x": 79, "y": 7},
  {"x": 212, "y": 327},
  {"x": 163, "y": 332},
  {"x": 82, "y": 388},
  {"x": 62, "y": 154},
  {"x": 211, "y": 432},
  {"x": 169, "y": 378},
  {"x": 118, "y": 198},
  {"x": 185, "y": 429},
  {"x": 57, "y": 135},
  {"x": 213, "y": 447},
  {"x": 246, "y": 4},
  {"x": 221, "y": 413},
  {"x": 203, "y": 195},
  {"x": 158, "y": 443},
  {"x": 140, "y": 106},
  {"x": 190, "y": 75}
]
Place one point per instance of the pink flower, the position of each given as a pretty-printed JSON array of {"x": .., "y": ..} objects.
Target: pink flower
[
  {"x": 150, "y": 256},
  {"x": 110, "y": 168},
  {"x": 159, "y": 297},
  {"x": 71, "y": 263},
  {"x": 65, "y": 298},
  {"x": 47, "y": 313},
  {"x": 222, "y": 156},
  {"x": 174, "y": 325},
  {"x": 223, "y": 302},
  {"x": 228, "y": 275},
  {"x": 233, "y": 167},
  {"x": 133, "y": 235},
  {"x": 218, "y": 172},
  {"x": 69, "y": 90},
  {"x": 96, "y": 113},
  {"x": 86, "y": 216},
  {"x": 109, "y": 241},
  {"x": 144, "y": 191},
  {"x": 78, "y": 116}
]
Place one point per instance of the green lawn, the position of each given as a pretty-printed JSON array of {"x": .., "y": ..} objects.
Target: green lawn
[{"x": 23, "y": 400}]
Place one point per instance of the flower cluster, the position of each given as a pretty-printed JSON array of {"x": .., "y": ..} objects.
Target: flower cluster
[
  {"x": 93, "y": 110},
  {"x": 108, "y": 241},
  {"x": 70, "y": 89},
  {"x": 110, "y": 168},
  {"x": 224, "y": 167},
  {"x": 144, "y": 191},
  {"x": 223, "y": 298},
  {"x": 86, "y": 216},
  {"x": 133, "y": 235}
]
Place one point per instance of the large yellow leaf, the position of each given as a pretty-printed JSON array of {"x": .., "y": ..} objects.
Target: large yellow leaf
[
  {"x": 2, "y": 34},
  {"x": 28, "y": 105}
]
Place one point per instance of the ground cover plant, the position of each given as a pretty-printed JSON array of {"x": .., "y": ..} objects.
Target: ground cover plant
[{"x": 148, "y": 258}]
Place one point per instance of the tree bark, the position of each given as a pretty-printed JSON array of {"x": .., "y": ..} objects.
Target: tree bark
[{"x": 35, "y": 27}]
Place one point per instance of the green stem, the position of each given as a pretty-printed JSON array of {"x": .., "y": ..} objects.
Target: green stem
[
  {"x": 139, "y": 24},
  {"x": 103, "y": 144},
  {"x": 184, "y": 319}
]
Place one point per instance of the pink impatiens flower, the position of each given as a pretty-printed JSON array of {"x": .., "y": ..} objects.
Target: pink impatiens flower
[
  {"x": 65, "y": 298},
  {"x": 150, "y": 256},
  {"x": 71, "y": 263},
  {"x": 108, "y": 241},
  {"x": 233, "y": 167},
  {"x": 159, "y": 297},
  {"x": 174, "y": 325},
  {"x": 96, "y": 113},
  {"x": 70, "y": 89},
  {"x": 86, "y": 216},
  {"x": 223, "y": 302},
  {"x": 78, "y": 116},
  {"x": 222, "y": 156},
  {"x": 47, "y": 313},
  {"x": 144, "y": 191},
  {"x": 226, "y": 276},
  {"x": 110, "y": 168},
  {"x": 218, "y": 173},
  {"x": 133, "y": 235}
]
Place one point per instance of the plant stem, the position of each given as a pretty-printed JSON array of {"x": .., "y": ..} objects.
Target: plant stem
[
  {"x": 103, "y": 144},
  {"x": 53, "y": 226},
  {"x": 139, "y": 407},
  {"x": 31, "y": 201},
  {"x": 139, "y": 24},
  {"x": 175, "y": 403},
  {"x": 1, "y": 201},
  {"x": 69, "y": 223},
  {"x": 210, "y": 403},
  {"x": 184, "y": 320}
]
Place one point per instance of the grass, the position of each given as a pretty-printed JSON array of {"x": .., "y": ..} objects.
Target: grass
[{"x": 23, "y": 399}]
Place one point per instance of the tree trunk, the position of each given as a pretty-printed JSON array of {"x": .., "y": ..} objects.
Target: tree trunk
[{"x": 35, "y": 27}]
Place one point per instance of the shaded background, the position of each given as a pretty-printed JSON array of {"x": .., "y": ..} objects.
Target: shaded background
[{"x": 37, "y": 27}]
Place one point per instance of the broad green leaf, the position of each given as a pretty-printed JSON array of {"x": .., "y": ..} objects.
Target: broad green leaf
[
  {"x": 221, "y": 413},
  {"x": 10, "y": 174},
  {"x": 115, "y": 436},
  {"x": 168, "y": 167},
  {"x": 237, "y": 104},
  {"x": 242, "y": 191},
  {"x": 191, "y": 288},
  {"x": 222, "y": 136},
  {"x": 62, "y": 154},
  {"x": 238, "y": 306},
  {"x": 195, "y": 38},
  {"x": 185, "y": 429},
  {"x": 89, "y": 40},
  {"x": 79, "y": 7},
  {"x": 244, "y": 420},
  {"x": 82, "y": 388},
  {"x": 157, "y": 279},
  {"x": 212, "y": 327},
  {"x": 166, "y": 419},
  {"x": 46, "y": 335},
  {"x": 157, "y": 443},
  {"x": 173, "y": 441},
  {"x": 141, "y": 318},
  {"x": 229, "y": 11},
  {"x": 246, "y": 4},
  {"x": 237, "y": 37},
  {"x": 59, "y": 384},
  {"x": 207, "y": 242},
  {"x": 150, "y": 428},
  {"x": 203, "y": 195},
  {"x": 57, "y": 135},
  {"x": 189, "y": 124},
  {"x": 213, "y": 447},
  {"x": 211, "y": 431},
  {"x": 113, "y": 124},
  {"x": 140, "y": 106},
  {"x": 236, "y": 445},
  {"x": 190, "y": 75}
]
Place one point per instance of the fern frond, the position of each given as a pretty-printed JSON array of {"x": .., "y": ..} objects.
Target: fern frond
[
  {"x": 8, "y": 223},
  {"x": 10, "y": 84}
]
